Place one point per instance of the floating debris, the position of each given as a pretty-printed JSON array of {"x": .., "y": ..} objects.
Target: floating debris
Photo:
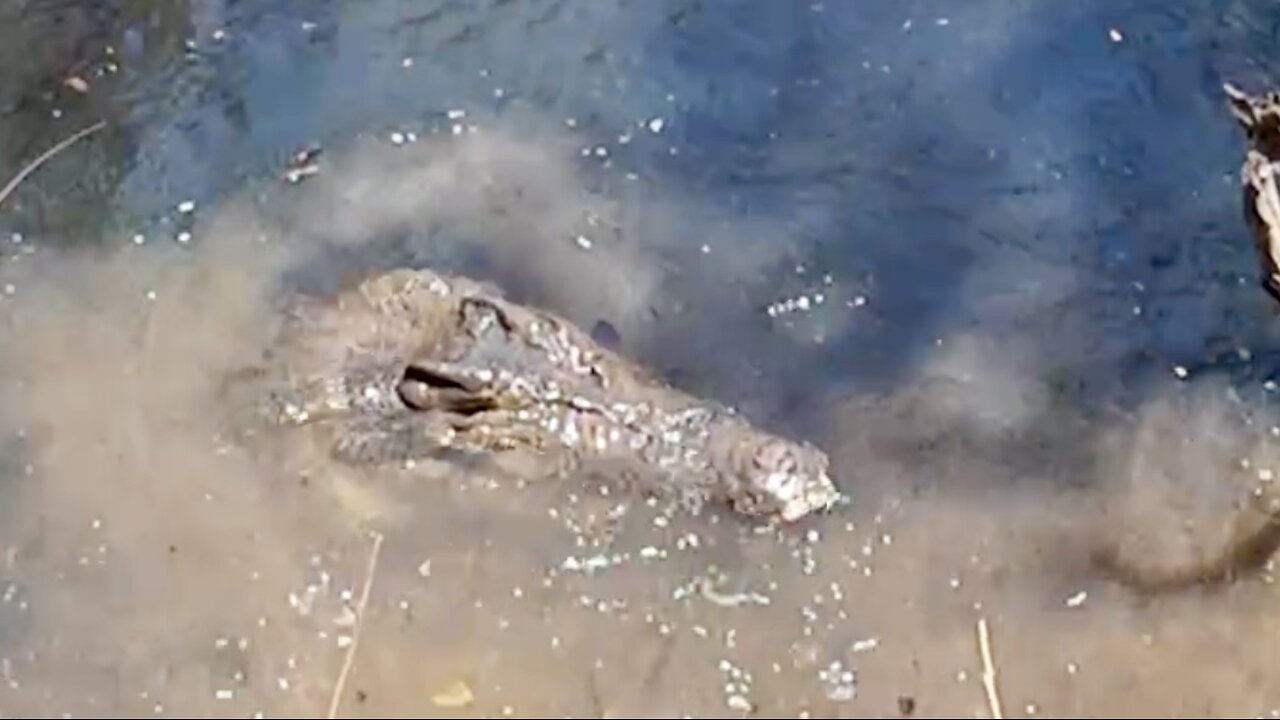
[
  {"x": 839, "y": 682},
  {"x": 866, "y": 645},
  {"x": 457, "y": 695},
  {"x": 737, "y": 687},
  {"x": 738, "y": 599},
  {"x": 1115, "y": 35},
  {"x": 802, "y": 303},
  {"x": 77, "y": 83},
  {"x": 656, "y": 124},
  {"x": 186, "y": 207},
  {"x": 303, "y": 164}
]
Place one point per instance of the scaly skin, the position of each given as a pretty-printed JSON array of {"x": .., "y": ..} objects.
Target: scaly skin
[{"x": 410, "y": 362}]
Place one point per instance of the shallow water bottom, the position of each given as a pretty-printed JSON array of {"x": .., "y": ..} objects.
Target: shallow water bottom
[{"x": 156, "y": 565}]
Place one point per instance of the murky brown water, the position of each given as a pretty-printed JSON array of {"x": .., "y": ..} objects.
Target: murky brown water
[{"x": 153, "y": 566}]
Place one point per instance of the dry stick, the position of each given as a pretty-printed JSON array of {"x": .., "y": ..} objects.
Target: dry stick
[
  {"x": 347, "y": 662},
  {"x": 35, "y": 164},
  {"x": 988, "y": 670}
]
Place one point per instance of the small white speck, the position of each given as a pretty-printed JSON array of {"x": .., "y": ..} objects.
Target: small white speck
[
  {"x": 1265, "y": 474},
  {"x": 56, "y": 113},
  {"x": 943, "y": 21},
  {"x": 1115, "y": 35},
  {"x": 224, "y": 694},
  {"x": 344, "y": 641},
  {"x": 151, "y": 295},
  {"x": 17, "y": 238},
  {"x": 583, "y": 241},
  {"x": 283, "y": 682},
  {"x": 186, "y": 206},
  {"x": 10, "y": 289},
  {"x": 139, "y": 239},
  {"x": 456, "y": 114},
  {"x": 1078, "y": 599},
  {"x": 865, "y": 645},
  {"x": 706, "y": 249},
  {"x": 656, "y": 125},
  {"x": 601, "y": 151},
  {"x": 1180, "y": 371},
  {"x": 424, "y": 569},
  {"x": 397, "y": 138},
  {"x": 219, "y": 34},
  {"x": 407, "y": 62},
  {"x": 184, "y": 237}
]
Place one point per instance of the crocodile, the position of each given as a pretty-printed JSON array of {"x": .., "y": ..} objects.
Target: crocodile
[{"x": 413, "y": 363}]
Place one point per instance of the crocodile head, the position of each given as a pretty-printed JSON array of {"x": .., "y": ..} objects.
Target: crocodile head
[{"x": 774, "y": 476}]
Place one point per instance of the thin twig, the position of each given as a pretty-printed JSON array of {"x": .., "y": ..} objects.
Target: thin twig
[
  {"x": 363, "y": 603},
  {"x": 35, "y": 164},
  {"x": 988, "y": 670}
]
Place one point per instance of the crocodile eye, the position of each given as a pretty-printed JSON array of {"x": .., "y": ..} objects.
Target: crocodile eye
[{"x": 775, "y": 457}]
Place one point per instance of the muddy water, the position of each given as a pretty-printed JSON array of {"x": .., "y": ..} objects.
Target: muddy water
[{"x": 962, "y": 250}]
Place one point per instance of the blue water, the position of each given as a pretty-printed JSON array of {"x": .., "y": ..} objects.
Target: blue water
[{"x": 902, "y": 143}]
